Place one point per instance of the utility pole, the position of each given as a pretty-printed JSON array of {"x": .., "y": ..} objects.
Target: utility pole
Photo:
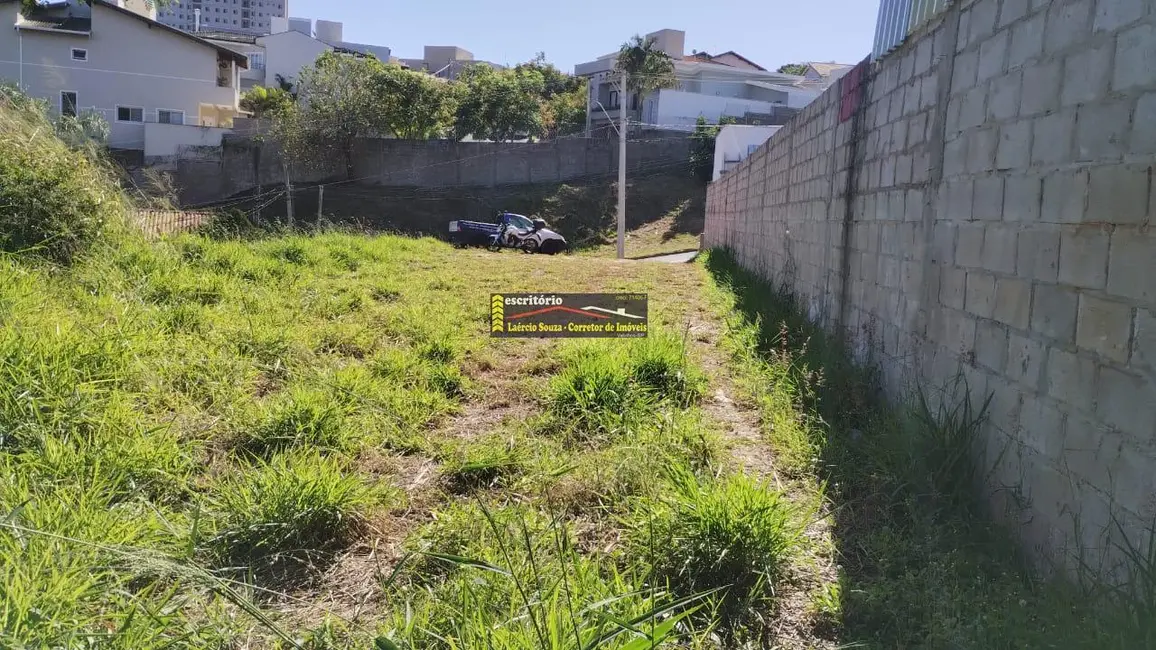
[{"x": 622, "y": 103}]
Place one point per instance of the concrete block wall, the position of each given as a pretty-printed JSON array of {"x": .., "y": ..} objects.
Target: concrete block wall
[
  {"x": 999, "y": 179},
  {"x": 244, "y": 162}
]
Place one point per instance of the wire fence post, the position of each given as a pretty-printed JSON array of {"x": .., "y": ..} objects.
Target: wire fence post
[{"x": 320, "y": 200}]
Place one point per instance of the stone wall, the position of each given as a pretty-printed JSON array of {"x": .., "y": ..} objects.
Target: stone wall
[
  {"x": 986, "y": 211},
  {"x": 245, "y": 162}
]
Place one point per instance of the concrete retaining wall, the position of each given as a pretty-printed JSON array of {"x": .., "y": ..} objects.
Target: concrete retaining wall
[
  {"x": 245, "y": 162},
  {"x": 986, "y": 210}
]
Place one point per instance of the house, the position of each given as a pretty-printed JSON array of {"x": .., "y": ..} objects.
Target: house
[
  {"x": 823, "y": 75},
  {"x": 734, "y": 142},
  {"x": 709, "y": 86},
  {"x": 155, "y": 85},
  {"x": 446, "y": 61},
  {"x": 291, "y": 47}
]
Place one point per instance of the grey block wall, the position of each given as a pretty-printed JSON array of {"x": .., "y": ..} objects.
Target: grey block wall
[
  {"x": 999, "y": 178},
  {"x": 245, "y": 161}
]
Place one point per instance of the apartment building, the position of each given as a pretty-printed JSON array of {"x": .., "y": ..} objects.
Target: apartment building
[
  {"x": 240, "y": 16},
  {"x": 709, "y": 86}
]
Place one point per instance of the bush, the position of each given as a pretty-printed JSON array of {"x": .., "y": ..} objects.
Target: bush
[{"x": 53, "y": 201}]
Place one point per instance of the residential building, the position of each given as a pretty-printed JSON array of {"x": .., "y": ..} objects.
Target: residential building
[
  {"x": 292, "y": 46},
  {"x": 822, "y": 75},
  {"x": 709, "y": 86},
  {"x": 142, "y": 76},
  {"x": 735, "y": 142},
  {"x": 241, "y": 16},
  {"x": 446, "y": 61}
]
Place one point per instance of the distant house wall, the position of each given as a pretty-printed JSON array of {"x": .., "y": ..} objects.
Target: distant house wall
[
  {"x": 287, "y": 53},
  {"x": 734, "y": 141},
  {"x": 164, "y": 140}
]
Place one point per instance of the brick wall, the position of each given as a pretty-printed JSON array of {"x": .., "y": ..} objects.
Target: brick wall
[{"x": 986, "y": 211}]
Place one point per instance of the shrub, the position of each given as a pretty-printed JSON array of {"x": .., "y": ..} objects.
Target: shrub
[
  {"x": 53, "y": 201},
  {"x": 293, "y": 507}
]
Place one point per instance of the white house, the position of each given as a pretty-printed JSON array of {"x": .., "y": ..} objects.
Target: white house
[
  {"x": 709, "y": 86},
  {"x": 291, "y": 47},
  {"x": 151, "y": 82},
  {"x": 735, "y": 142}
]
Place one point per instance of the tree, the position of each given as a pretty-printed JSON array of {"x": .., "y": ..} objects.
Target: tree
[
  {"x": 798, "y": 69},
  {"x": 702, "y": 146},
  {"x": 555, "y": 81},
  {"x": 412, "y": 105},
  {"x": 498, "y": 104},
  {"x": 266, "y": 102},
  {"x": 564, "y": 113},
  {"x": 336, "y": 106},
  {"x": 647, "y": 68}
]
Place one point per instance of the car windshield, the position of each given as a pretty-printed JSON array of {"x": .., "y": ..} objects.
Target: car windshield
[{"x": 518, "y": 221}]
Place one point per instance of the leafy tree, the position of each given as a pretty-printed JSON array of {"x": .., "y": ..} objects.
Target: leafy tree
[
  {"x": 337, "y": 106},
  {"x": 266, "y": 102},
  {"x": 412, "y": 105},
  {"x": 647, "y": 68},
  {"x": 702, "y": 147},
  {"x": 565, "y": 113},
  {"x": 498, "y": 104},
  {"x": 798, "y": 69},
  {"x": 555, "y": 81}
]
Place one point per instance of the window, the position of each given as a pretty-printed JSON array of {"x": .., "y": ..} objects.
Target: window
[
  {"x": 256, "y": 60},
  {"x": 165, "y": 116},
  {"x": 68, "y": 103},
  {"x": 129, "y": 114},
  {"x": 613, "y": 99},
  {"x": 79, "y": 54}
]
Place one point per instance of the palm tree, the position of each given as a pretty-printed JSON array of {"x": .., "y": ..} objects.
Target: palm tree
[{"x": 647, "y": 68}]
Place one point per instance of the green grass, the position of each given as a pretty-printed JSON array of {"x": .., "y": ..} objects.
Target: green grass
[
  {"x": 920, "y": 564},
  {"x": 296, "y": 507},
  {"x": 734, "y": 536},
  {"x": 197, "y": 435}
]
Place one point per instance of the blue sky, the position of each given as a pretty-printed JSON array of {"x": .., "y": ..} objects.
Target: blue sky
[{"x": 769, "y": 32}]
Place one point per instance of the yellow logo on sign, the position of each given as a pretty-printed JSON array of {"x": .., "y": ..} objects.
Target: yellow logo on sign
[{"x": 497, "y": 314}]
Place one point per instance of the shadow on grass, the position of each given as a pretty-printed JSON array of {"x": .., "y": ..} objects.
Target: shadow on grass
[{"x": 921, "y": 566}]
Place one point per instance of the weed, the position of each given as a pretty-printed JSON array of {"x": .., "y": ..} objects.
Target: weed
[
  {"x": 295, "y": 507},
  {"x": 604, "y": 391},
  {"x": 303, "y": 418},
  {"x": 733, "y": 534}
]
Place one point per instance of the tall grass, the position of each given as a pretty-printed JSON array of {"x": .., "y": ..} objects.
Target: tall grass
[
  {"x": 921, "y": 564},
  {"x": 54, "y": 201},
  {"x": 296, "y": 508},
  {"x": 604, "y": 391},
  {"x": 733, "y": 535},
  {"x": 514, "y": 581}
]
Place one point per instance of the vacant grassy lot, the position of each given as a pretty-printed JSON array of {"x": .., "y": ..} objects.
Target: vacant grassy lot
[{"x": 310, "y": 442}]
